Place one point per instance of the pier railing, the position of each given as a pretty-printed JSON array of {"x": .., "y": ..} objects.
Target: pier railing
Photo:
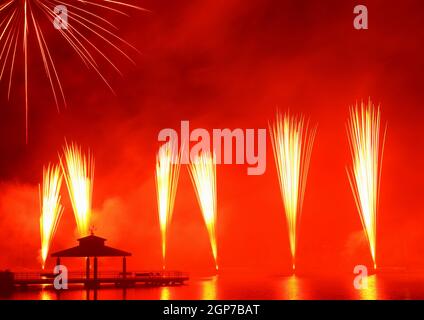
[
  {"x": 10, "y": 280},
  {"x": 147, "y": 277},
  {"x": 103, "y": 274}
]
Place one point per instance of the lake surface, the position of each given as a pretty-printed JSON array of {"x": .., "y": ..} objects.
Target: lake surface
[{"x": 393, "y": 286}]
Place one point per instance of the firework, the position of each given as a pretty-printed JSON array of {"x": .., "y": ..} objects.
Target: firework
[
  {"x": 364, "y": 176},
  {"x": 292, "y": 143},
  {"x": 203, "y": 175},
  {"x": 78, "y": 170},
  {"x": 51, "y": 209},
  {"x": 86, "y": 31},
  {"x": 167, "y": 173}
]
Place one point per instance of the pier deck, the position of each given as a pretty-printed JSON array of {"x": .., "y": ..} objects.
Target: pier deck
[{"x": 154, "y": 278}]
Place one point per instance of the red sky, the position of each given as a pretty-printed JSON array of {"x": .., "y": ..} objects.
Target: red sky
[{"x": 227, "y": 64}]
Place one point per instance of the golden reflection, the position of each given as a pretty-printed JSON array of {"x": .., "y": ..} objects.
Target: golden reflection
[
  {"x": 165, "y": 293},
  {"x": 369, "y": 290},
  {"x": 209, "y": 289},
  {"x": 292, "y": 288},
  {"x": 46, "y": 295}
]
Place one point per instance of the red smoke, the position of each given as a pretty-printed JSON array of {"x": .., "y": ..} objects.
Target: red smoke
[{"x": 228, "y": 64}]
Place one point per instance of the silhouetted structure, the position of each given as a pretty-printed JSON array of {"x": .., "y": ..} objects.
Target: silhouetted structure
[
  {"x": 93, "y": 247},
  {"x": 6, "y": 282}
]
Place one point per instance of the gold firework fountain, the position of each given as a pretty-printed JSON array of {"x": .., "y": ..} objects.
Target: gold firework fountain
[
  {"x": 203, "y": 175},
  {"x": 366, "y": 147},
  {"x": 51, "y": 209},
  {"x": 167, "y": 173},
  {"x": 78, "y": 170},
  {"x": 292, "y": 143}
]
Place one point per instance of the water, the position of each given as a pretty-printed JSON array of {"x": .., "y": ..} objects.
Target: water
[{"x": 393, "y": 286}]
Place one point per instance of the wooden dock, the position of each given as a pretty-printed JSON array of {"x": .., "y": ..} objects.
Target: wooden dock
[{"x": 129, "y": 279}]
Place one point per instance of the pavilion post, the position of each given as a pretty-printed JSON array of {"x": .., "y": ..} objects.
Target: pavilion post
[
  {"x": 87, "y": 271},
  {"x": 124, "y": 267},
  {"x": 58, "y": 261},
  {"x": 95, "y": 272}
]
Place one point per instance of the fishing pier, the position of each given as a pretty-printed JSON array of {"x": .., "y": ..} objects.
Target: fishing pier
[{"x": 91, "y": 248}]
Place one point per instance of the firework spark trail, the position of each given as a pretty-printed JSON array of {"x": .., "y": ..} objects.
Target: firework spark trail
[
  {"x": 292, "y": 143},
  {"x": 51, "y": 209},
  {"x": 363, "y": 129},
  {"x": 78, "y": 170},
  {"x": 203, "y": 175},
  {"x": 167, "y": 174},
  {"x": 19, "y": 19}
]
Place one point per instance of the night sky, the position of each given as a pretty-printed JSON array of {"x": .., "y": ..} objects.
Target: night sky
[{"x": 226, "y": 64}]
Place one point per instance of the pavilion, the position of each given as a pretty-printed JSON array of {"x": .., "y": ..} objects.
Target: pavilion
[{"x": 92, "y": 247}]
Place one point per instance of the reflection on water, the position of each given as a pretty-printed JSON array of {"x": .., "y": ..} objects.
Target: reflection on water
[
  {"x": 292, "y": 288},
  {"x": 222, "y": 286},
  {"x": 165, "y": 293},
  {"x": 46, "y": 294},
  {"x": 370, "y": 290},
  {"x": 209, "y": 289}
]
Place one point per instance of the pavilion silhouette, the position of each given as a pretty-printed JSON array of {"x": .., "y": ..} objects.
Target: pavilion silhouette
[{"x": 92, "y": 247}]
